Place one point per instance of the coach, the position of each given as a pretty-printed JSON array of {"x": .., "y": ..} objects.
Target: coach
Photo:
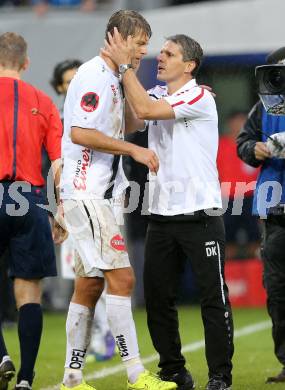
[
  {"x": 28, "y": 121},
  {"x": 183, "y": 131}
]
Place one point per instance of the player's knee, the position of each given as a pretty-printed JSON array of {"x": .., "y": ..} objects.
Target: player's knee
[
  {"x": 96, "y": 290},
  {"x": 27, "y": 291},
  {"x": 129, "y": 284},
  {"x": 87, "y": 291},
  {"x": 122, "y": 284}
]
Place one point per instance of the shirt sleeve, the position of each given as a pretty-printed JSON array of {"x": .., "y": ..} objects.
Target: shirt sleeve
[
  {"x": 53, "y": 137},
  {"x": 90, "y": 106},
  {"x": 196, "y": 103}
]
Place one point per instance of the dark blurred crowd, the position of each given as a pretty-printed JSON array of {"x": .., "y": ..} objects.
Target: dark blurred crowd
[{"x": 85, "y": 5}]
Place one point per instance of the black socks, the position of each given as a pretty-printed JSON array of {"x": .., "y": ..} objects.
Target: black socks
[{"x": 30, "y": 330}]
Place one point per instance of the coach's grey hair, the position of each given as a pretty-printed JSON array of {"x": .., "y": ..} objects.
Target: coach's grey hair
[{"x": 191, "y": 50}]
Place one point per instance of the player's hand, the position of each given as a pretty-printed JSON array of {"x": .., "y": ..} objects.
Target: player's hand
[
  {"x": 59, "y": 230},
  {"x": 147, "y": 157},
  {"x": 120, "y": 51},
  {"x": 261, "y": 151},
  {"x": 59, "y": 234}
]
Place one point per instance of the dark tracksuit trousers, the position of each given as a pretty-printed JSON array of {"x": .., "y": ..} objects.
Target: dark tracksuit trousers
[
  {"x": 169, "y": 243},
  {"x": 273, "y": 255}
]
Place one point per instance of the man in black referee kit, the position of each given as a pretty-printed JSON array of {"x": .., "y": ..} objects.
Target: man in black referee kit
[{"x": 183, "y": 131}]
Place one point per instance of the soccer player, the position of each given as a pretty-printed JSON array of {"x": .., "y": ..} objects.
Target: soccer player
[
  {"x": 28, "y": 121},
  {"x": 102, "y": 345},
  {"x": 183, "y": 131},
  {"x": 92, "y": 185}
]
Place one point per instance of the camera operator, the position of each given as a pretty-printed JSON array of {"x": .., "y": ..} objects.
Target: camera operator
[{"x": 260, "y": 143}]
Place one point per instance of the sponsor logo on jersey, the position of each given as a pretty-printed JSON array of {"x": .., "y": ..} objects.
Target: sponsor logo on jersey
[
  {"x": 122, "y": 346},
  {"x": 208, "y": 243},
  {"x": 34, "y": 111},
  {"x": 83, "y": 164},
  {"x": 118, "y": 242},
  {"x": 115, "y": 94},
  {"x": 89, "y": 101}
]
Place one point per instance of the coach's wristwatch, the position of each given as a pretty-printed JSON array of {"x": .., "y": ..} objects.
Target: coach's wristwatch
[{"x": 124, "y": 67}]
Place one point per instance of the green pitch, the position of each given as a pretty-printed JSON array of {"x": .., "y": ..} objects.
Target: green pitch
[{"x": 253, "y": 361}]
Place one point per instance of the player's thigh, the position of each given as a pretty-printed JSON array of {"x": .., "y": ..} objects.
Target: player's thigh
[{"x": 96, "y": 235}]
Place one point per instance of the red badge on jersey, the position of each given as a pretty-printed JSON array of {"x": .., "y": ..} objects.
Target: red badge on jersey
[
  {"x": 117, "y": 242},
  {"x": 89, "y": 101}
]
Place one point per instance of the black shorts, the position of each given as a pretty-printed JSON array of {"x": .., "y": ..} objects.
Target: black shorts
[{"x": 26, "y": 232}]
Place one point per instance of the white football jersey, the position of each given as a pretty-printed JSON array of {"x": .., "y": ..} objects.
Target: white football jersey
[
  {"x": 187, "y": 179},
  {"x": 94, "y": 101}
]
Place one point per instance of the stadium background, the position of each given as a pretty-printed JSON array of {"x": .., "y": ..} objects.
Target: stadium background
[{"x": 236, "y": 36}]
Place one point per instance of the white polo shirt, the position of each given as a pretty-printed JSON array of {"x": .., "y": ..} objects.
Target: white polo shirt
[
  {"x": 94, "y": 101},
  {"x": 187, "y": 146}
]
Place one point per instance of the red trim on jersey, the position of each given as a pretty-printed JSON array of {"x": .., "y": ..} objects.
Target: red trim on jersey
[
  {"x": 197, "y": 97},
  {"x": 178, "y": 103}
]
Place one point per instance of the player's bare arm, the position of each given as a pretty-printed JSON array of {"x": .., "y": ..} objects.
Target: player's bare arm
[
  {"x": 121, "y": 52},
  {"x": 59, "y": 231},
  {"x": 56, "y": 170},
  {"x": 96, "y": 140},
  {"x": 132, "y": 122}
]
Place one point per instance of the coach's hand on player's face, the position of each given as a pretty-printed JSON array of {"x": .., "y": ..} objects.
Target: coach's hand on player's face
[
  {"x": 119, "y": 50},
  {"x": 146, "y": 156}
]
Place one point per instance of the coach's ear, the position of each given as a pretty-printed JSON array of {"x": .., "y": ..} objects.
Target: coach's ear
[{"x": 190, "y": 66}]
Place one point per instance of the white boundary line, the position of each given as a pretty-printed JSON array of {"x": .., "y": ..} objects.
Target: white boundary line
[{"x": 246, "y": 330}]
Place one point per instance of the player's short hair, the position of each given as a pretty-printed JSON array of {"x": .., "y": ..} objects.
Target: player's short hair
[
  {"x": 191, "y": 49},
  {"x": 128, "y": 22},
  {"x": 60, "y": 69},
  {"x": 13, "y": 51}
]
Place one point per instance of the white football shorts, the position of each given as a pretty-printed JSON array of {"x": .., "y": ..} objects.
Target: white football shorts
[{"x": 94, "y": 227}]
